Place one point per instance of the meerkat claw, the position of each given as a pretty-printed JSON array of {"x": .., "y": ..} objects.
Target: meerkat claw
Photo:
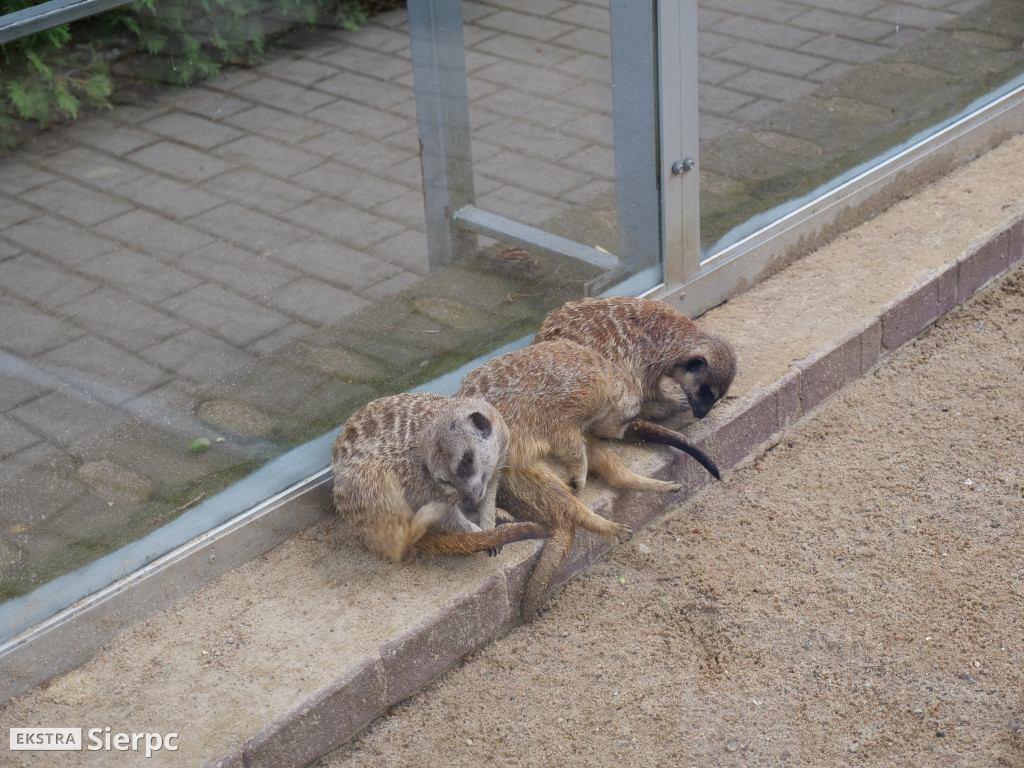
[{"x": 623, "y": 534}]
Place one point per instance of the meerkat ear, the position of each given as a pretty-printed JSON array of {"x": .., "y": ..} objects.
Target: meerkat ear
[
  {"x": 481, "y": 422},
  {"x": 696, "y": 366}
]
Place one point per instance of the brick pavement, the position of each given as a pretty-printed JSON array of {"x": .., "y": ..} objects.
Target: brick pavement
[{"x": 237, "y": 239}]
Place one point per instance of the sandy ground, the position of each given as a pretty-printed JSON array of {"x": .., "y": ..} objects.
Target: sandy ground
[{"x": 853, "y": 595}]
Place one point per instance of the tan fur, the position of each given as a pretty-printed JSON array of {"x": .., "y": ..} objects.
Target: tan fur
[
  {"x": 653, "y": 342},
  {"x": 558, "y": 398},
  {"x": 403, "y": 466}
]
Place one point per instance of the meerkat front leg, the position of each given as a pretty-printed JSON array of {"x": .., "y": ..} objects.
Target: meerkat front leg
[
  {"x": 667, "y": 399},
  {"x": 487, "y": 507},
  {"x": 606, "y": 464}
]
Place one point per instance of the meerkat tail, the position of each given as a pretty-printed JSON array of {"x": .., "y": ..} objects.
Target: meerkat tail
[
  {"x": 538, "y": 491},
  {"x": 556, "y": 549},
  {"x": 478, "y": 541},
  {"x": 655, "y": 433}
]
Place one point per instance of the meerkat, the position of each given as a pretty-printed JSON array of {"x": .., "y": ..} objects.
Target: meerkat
[
  {"x": 559, "y": 400},
  {"x": 653, "y": 342},
  {"x": 404, "y": 465}
]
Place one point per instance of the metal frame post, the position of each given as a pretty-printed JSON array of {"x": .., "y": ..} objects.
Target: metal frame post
[
  {"x": 635, "y": 119},
  {"x": 679, "y": 168},
  {"x": 442, "y": 107}
]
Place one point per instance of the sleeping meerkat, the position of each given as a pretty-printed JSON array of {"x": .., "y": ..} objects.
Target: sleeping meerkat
[
  {"x": 652, "y": 341},
  {"x": 558, "y": 399},
  {"x": 404, "y": 464}
]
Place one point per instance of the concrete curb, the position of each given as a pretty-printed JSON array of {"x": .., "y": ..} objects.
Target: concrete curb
[{"x": 402, "y": 666}]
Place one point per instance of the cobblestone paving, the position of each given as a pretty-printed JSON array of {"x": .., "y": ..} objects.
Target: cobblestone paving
[{"x": 247, "y": 257}]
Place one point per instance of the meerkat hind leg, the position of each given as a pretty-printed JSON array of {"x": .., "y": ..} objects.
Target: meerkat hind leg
[
  {"x": 551, "y": 558},
  {"x": 610, "y": 531},
  {"x": 606, "y": 464}
]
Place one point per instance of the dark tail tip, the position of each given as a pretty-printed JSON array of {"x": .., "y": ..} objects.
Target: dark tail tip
[{"x": 655, "y": 433}]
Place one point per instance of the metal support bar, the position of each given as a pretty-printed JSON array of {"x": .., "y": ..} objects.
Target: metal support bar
[
  {"x": 635, "y": 117},
  {"x": 680, "y": 166},
  {"x": 442, "y": 109},
  {"x": 500, "y": 227},
  {"x": 44, "y": 16}
]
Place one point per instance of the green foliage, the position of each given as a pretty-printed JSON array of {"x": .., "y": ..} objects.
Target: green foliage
[
  {"x": 44, "y": 77},
  {"x": 48, "y": 76}
]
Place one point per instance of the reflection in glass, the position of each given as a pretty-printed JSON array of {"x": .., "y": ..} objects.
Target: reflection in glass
[
  {"x": 198, "y": 281},
  {"x": 795, "y": 96}
]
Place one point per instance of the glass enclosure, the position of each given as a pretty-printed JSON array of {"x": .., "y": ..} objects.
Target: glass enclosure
[
  {"x": 208, "y": 275},
  {"x": 542, "y": 119},
  {"x": 224, "y": 229}
]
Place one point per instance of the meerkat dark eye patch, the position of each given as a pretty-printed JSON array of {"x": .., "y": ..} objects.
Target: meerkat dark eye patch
[
  {"x": 465, "y": 469},
  {"x": 481, "y": 422},
  {"x": 696, "y": 366},
  {"x": 706, "y": 393}
]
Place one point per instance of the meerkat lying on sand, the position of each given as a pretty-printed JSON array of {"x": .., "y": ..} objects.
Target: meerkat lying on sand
[
  {"x": 652, "y": 341},
  {"x": 404, "y": 464},
  {"x": 559, "y": 399}
]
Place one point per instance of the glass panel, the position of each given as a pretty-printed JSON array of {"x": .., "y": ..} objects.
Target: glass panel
[
  {"x": 794, "y": 96},
  {"x": 540, "y": 83},
  {"x": 219, "y": 269}
]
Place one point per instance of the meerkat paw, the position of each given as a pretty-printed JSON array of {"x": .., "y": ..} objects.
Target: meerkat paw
[
  {"x": 502, "y": 517},
  {"x": 616, "y": 533},
  {"x": 431, "y": 514},
  {"x": 665, "y": 486},
  {"x": 494, "y": 551}
]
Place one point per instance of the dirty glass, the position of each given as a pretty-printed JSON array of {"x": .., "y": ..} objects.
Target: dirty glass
[
  {"x": 541, "y": 117},
  {"x": 795, "y": 97},
  {"x": 215, "y": 251}
]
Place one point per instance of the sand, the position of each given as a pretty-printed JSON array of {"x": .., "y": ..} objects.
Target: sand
[{"x": 852, "y": 595}]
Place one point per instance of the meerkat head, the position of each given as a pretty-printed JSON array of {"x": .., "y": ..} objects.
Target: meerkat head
[
  {"x": 705, "y": 374},
  {"x": 465, "y": 446}
]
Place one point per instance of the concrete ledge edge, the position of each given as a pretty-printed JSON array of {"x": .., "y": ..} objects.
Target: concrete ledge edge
[{"x": 402, "y": 666}]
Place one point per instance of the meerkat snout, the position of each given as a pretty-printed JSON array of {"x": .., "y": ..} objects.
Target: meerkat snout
[
  {"x": 705, "y": 382},
  {"x": 474, "y": 478},
  {"x": 692, "y": 379}
]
